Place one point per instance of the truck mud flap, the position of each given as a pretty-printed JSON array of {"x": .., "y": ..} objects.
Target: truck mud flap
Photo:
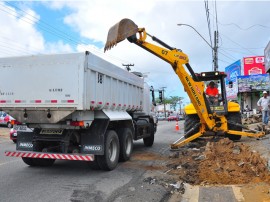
[
  {"x": 92, "y": 139},
  {"x": 25, "y": 141}
]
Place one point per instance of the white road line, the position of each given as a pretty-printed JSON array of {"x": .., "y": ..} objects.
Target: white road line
[
  {"x": 4, "y": 141},
  {"x": 191, "y": 193},
  {"x": 1, "y": 164},
  {"x": 237, "y": 193}
]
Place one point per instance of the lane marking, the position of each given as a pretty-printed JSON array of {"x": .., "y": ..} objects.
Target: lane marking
[
  {"x": 237, "y": 193},
  {"x": 1, "y": 164},
  {"x": 191, "y": 193},
  {"x": 4, "y": 141}
]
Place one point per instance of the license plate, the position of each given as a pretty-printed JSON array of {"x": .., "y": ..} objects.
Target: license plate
[
  {"x": 51, "y": 132},
  {"x": 20, "y": 128}
]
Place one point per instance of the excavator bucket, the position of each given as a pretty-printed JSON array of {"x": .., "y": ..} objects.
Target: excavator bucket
[{"x": 119, "y": 32}]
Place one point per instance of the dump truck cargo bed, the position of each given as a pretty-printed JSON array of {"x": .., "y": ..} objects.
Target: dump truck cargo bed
[{"x": 66, "y": 83}]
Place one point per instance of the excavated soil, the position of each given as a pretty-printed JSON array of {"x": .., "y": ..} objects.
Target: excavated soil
[{"x": 218, "y": 163}]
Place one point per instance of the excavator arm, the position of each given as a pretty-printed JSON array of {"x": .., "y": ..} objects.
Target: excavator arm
[
  {"x": 127, "y": 29},
  {"x": 175, "y": 57}
]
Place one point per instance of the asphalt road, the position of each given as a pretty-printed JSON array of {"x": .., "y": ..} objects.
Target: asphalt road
[
  {"x": 75, "y": 181},
  {"x": 142, "y": 179}
]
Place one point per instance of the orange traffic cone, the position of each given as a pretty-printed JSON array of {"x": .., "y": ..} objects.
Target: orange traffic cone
[{"x": 176, "y": 126}]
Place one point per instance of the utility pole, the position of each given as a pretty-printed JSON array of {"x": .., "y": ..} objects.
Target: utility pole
[
  {"x": 215, "y": 49},
  {"x": 128, "y": 66},
  {"x": 163, "y": 94}
]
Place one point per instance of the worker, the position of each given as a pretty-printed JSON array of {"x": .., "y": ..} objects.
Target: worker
[
  {"x": 212, "y": 90},
  {"x": 264, "y": 106},
  {"x": 212, "y": 93}
]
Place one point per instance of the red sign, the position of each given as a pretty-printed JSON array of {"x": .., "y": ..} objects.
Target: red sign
[{"x": 254, "y": 65}]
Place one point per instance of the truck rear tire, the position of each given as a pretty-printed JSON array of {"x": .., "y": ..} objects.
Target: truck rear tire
[
  {"x": 38, "y": 162},
  {"x": 190, "y": 121},
  {"x": 109, "y": 160},
  {"x": 234, "y": 117},
  {"x": 149, "y": 141},
  {"x": 126, "y": 144}
]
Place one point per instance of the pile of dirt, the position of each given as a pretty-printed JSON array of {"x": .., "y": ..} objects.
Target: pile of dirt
[{"x": 222, "y": 162}]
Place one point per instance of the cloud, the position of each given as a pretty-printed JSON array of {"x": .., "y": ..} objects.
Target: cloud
[
  {"x": 19, "y": 35},
  {"x": 92, "y": 19}
]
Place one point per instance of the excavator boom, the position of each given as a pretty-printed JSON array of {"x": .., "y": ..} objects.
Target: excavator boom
[
  {"x": 119, "y": 32},
  {"x": 209, "y": 120}
]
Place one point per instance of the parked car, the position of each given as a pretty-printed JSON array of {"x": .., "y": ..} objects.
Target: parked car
[
  {"x": 172, "y": 118},
  {"x": 13, "y": 135},
  {"x": 160, "y": 118},
  {"x": 13, "y": 131},
  {"x": 6, "y": 119},
  {"x": 181, "y": 117}
]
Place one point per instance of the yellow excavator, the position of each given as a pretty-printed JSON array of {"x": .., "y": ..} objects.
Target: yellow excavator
[{"x": 203, "y": 118}]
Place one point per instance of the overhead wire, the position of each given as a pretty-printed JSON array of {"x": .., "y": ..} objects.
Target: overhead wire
[
  {"x": 209, "y": 27},
  {"x": 29, "y": 18}
]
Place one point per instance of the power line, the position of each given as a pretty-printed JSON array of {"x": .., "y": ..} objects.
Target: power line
[
  {"x": 208, "y": 20},
  {"x": 238, "y": 44},
  {"x": 245, "y": 29},
  {"x": 29, "y": 18}
]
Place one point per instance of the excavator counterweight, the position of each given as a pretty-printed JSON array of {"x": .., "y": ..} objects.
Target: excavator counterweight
[{"x": 119, "y": 32}]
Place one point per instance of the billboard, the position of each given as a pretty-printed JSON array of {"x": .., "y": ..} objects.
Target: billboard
[
  {"x": 253, "y": 83},
  {"x": 267, "y": 57},
  {"x": 253, "y": 65},
  {"x": 232, "y": 71}
]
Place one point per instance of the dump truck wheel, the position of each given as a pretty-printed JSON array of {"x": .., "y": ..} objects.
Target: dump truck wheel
[
  {"x": 234, "y": 118},
  {"x": 38, "y": 162},
  {"x": 190, "y": 121},
  {"x": 126, "y": 144},
  {"x": 149, "y": 141},
  {"x": 109, "y": 160}
]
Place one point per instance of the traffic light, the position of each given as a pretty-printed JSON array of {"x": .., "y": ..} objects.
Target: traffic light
[{"x": 160, "y": 96}]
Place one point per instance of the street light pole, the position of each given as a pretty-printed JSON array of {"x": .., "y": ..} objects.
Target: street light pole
[{"x": 214, "y": 49}]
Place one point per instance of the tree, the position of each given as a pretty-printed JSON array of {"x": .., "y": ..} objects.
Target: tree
[{"x": 174, "y": 101}]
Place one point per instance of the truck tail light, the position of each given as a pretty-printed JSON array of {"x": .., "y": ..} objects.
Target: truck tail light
[
  {"x": 15, "y": 122},
  {"x": 77, "y": 123}
]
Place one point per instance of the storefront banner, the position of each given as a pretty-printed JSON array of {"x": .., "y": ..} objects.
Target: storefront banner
[
  {"x": 252, "y": 83},
  {"x": 267, "y": 57},
  {"x": 232, "y": 71},
  {"x": 253, "y": 65}
]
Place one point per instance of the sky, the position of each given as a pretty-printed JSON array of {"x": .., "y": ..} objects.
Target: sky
[{"x": 52, "y": 27}]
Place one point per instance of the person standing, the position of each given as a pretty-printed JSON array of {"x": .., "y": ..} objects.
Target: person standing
[{"x": 264, "y": 105}]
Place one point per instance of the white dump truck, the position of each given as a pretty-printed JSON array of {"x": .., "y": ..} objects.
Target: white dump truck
[{"x": 79, "y": 107}]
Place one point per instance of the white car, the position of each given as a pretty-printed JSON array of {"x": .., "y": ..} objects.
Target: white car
[{"x": 6, "y": 119}]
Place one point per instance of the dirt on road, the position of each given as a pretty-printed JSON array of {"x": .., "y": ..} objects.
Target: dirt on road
[
  {"x": 223, "y": 162},
  {"x": 209, "y": 162}
]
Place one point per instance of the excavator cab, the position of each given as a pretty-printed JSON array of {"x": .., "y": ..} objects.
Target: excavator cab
[{"x": 218, "y": 102}]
